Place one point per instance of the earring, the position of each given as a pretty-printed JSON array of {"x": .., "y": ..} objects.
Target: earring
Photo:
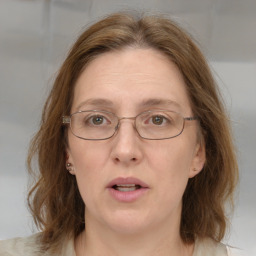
[{"x": 69, "y": 167}]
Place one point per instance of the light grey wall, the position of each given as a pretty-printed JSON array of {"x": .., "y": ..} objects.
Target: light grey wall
[
  {"x": 34, "y": 38},
  {"x": 238, "y": 83}
]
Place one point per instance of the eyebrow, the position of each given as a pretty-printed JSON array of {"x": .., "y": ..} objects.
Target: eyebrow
[
  {"x": 96, "y": 102},
  {"x": 153, "y": 102}
]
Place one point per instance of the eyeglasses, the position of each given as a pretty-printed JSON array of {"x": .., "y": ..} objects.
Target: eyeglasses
[{"x": 150, "y": 125}]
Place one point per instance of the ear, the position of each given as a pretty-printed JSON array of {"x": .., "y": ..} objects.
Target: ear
[
  {"x": 198, "y": 159},
  {"x": 69, "y": 161}
]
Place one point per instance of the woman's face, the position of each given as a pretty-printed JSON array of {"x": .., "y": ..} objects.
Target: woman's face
[{"x": 127, "y": 83}]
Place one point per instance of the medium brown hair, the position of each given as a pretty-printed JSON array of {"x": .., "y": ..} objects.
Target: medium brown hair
[{"x": 54, "y": 200}]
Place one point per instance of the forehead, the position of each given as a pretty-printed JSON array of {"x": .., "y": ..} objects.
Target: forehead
[{"x": 128, "y": 79}]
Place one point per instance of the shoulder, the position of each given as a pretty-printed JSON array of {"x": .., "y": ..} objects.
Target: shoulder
[
  {"x": 232, "y": 251},
  {"x": 210, "y": 247},
  {"x": 21, "y": 246},
  {"x": 30, "y": 246}
]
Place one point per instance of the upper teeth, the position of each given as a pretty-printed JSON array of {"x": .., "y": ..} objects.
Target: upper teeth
[{"x": 126, "y": 185}]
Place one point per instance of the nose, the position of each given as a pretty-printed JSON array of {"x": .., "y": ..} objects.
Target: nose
[{"x": 126, "y": 144}]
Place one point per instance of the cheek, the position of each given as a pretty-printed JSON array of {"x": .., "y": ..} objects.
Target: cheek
[
  {"x": 86, "y": 155},
  {"x": 172, "y": 158},
  {"x": 89, "y": 160},
  {"x": 170, "y": 164}
]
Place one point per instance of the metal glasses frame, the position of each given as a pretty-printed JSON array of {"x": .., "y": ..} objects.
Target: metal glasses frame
[{"x": 67, "y": 120}]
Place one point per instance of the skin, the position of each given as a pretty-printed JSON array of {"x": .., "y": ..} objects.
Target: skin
[{"x": 150, "y": 225}]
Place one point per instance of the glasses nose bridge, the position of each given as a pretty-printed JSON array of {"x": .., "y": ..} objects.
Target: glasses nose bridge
[{"x": 129, "y": 118}]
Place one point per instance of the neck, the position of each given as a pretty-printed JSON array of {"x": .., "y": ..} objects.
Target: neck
[{"x": 160, "y": 241}]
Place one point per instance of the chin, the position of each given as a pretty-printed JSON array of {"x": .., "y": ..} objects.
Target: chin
[{"x": 128, "y": 222}]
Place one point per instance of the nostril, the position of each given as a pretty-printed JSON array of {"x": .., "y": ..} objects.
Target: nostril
[{"x": 117, "y": 159}]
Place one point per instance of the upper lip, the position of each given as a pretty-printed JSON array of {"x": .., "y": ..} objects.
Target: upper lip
[{"x": 127, "y": 180}]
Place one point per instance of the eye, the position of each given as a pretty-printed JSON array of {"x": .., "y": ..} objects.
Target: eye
[
  {"x": 97, "y": 120},
  {"x": 158, "y": 120}
]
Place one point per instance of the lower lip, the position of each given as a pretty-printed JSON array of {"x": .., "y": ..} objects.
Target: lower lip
[{"x": 127, "y": 196}]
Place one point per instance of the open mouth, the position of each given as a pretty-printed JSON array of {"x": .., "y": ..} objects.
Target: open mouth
[{"x": 126, "y": 187}]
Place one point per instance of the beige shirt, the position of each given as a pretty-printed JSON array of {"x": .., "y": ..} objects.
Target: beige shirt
[{"x": 29, "y": 247}]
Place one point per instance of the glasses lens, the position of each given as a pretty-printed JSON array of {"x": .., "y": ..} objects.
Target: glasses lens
[
  {"x": 159, "y": 124},
  {"x": 93, "y": 125}
]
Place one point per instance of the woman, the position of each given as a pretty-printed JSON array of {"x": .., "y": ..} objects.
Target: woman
[{"x": 134, "y": 150}]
